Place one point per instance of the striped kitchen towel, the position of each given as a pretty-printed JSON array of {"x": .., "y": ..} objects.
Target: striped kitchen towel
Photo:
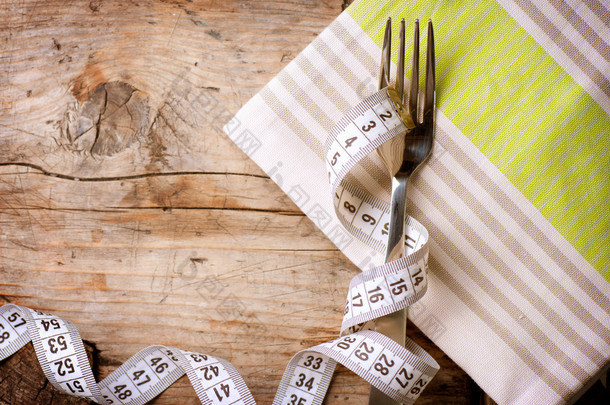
[{"x": 516, "y": 194}]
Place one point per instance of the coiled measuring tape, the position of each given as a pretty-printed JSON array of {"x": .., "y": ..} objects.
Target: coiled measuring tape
[
  {"x": 397, "y": 284},
  {"x": 401, "y": 372}
]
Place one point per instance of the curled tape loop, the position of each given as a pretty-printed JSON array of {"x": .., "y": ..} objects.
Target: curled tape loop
[{"x": 401, "y": 372}]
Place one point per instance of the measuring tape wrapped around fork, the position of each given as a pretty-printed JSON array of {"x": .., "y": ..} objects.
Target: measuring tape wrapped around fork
[
  {"x": 401, "y": 372},
  {"x": 400, "y": 283}
]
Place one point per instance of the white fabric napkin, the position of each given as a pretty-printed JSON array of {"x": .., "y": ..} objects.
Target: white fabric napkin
[{"x": 514, "y": 297}]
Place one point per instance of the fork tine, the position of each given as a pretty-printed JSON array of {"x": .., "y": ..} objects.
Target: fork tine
[
  {"x": 414, "y": 87},
  {"x": 429, "y": 96},
  {"x": 400, "y": 71},
  {"x": 384, "y": 75}
]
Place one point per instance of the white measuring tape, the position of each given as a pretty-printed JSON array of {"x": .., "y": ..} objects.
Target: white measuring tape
[
  {"x": 401, "y": 372},
  {"x": 145, "y": 375},
  {"x": 400, "y": 283}
]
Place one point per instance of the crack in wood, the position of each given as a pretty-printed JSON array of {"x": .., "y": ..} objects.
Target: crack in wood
[
  {"x": 100, "y": 118},
  {"x": 243, "y": 209},
  {"x": 45, "y": 172}
]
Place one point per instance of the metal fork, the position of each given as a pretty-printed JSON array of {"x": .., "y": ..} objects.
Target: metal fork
[{"x": 401, "y": 156}]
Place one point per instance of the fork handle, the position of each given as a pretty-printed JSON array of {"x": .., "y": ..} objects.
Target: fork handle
[
  {"x": 393, "y": 325},
  {"x": 398, "y": 204}
]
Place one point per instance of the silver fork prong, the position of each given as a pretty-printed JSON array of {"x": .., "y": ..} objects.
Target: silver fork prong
[
  {"x": 384, "y": 75},
  {"x": 414, "y": 87},
  {"x": 400, "y": 71},
  {"x": 430, "y": 92}
]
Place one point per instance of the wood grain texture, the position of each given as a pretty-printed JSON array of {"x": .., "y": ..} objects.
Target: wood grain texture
[{"x": 125, "y": 208}]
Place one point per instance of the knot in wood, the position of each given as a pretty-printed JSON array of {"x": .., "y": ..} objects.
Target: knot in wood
[{"x": 108, "y": 121}]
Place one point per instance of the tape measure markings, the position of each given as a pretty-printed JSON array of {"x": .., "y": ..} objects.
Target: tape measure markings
[
  {"x": 380, "y": 108},
  {"x": 378, "y": 101},
  {"x": 379, "y": 360},
  {"x": 347, "y": 164},
  {"x": 61, "y": 354},
  {"x": 379, "y": 213},
  {"x": 366, "y": 299},
  {"x": 147, "y": 373},
  {"x": 376, "y": 236},
  {"x": 227, "y": 383},
  {"x": 375, "y": 213},
  {"x": 293, "y": 385},
  {"x": 13, "y": 332},
  {"x": 242, "y": 388},
  {"x": 399, "y": 372}
]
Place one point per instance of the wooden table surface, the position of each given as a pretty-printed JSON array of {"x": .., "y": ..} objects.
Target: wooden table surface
[{"x": 125, "y": 208}]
